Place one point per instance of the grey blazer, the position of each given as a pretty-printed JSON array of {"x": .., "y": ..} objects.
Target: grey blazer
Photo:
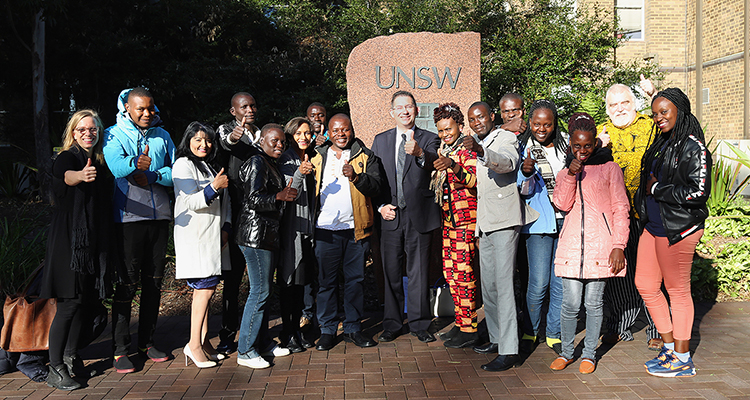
[{"x": 499, "y": 204}]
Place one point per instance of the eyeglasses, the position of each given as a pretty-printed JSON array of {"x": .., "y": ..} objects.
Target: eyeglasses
[
  {"x": 92, "y": 131},
  {"x": 400, "y": 109}
]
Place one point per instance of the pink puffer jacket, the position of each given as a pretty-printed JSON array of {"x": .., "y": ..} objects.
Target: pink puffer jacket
[{"x": 602, "y": 218}]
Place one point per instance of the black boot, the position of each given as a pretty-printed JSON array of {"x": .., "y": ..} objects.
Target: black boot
[
  {"x": 59, "y": 378},
  {"x": 76, "y": 367}
]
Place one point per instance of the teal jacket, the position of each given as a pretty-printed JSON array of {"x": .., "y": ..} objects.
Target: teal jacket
[{"x": 123, "y": 143}]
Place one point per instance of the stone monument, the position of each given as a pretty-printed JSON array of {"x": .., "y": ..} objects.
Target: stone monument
[{"x": 435, "y": 67}]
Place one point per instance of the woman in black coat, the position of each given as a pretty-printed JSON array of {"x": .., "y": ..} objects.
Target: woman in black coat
[{"x": 76, "y": 269}]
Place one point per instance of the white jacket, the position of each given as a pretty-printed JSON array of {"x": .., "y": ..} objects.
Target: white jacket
[{"x": 197, "y": 225}]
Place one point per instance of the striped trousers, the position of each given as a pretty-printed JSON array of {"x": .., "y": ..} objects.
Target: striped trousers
[{"x": 621, "y": 297}]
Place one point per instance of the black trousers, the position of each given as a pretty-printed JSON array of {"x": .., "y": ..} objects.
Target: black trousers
[
  {"x": 65, "y": 329},
  {"x": 408, "y": 246},
  {"x": 144, "y": 249}
]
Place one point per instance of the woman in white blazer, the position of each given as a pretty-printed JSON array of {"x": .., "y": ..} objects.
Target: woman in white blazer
[{"x": 201, "y": 230}]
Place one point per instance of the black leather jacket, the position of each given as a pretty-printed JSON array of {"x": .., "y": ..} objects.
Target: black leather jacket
[
  {"x": 682, "y": 200},
  {"x": 257, "y": 224}
]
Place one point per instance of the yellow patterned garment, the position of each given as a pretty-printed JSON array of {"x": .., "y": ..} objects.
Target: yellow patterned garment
[{"x": 628, "y": 146}]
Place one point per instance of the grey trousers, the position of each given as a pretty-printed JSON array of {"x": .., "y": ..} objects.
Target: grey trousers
[{"x": 497, "y": 258}]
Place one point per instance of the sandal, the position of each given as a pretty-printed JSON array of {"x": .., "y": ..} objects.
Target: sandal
[{"x": 655, "y": 344}]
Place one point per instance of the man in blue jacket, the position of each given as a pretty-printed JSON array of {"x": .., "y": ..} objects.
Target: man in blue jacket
[{"x": 140, "y": 155}]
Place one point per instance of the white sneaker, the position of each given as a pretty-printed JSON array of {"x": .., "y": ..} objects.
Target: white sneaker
[
  {"x": 276, "y": 351},
  {"x": 256, "y": 362}
]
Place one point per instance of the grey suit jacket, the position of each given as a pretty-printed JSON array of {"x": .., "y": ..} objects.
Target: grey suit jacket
[
  {"x": 421, "y": 208},
  {"x": 499, "y": 205}
]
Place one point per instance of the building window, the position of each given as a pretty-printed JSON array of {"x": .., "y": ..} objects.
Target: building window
[{"x": 630, "y": 17}]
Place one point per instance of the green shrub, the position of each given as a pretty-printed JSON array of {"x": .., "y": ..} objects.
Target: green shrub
[{"x": 22, "y": 247}]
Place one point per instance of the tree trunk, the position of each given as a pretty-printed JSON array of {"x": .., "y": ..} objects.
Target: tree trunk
[{"x": 41, "y": 110}]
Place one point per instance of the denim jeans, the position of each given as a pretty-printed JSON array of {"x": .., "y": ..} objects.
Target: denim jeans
[
  {"x": 253, "y": 325},
  {"x": 540, "y": 250},
  {"x": 572, "y": 290}
]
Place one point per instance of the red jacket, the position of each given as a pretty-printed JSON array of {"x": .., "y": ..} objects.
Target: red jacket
[{"x": 597, "y": 209}]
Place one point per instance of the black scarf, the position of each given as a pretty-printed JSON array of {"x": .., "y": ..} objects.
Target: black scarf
[{"x": 91, "y": 225}]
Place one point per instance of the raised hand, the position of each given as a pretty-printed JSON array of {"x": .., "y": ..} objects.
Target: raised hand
[
  {"x": 647, "y": 86},
  {"x": 528, "y": 166},
  {"x": 288, "y": 193},
  {"x": 144, "y": 161},
  {"x": 88, "y": 173},
  {"x": 306, "y": 166},
  {"x": 515, "y": 125},
  {"x": 348, "y": 171},
  {"x": 220, "y": 180},
  {"x": 575, "y": 167},
  {"x": 411, "y": 146},
  {"x": 238, "y": 130},
  {"x": 472, "y": 145},
  {"x": 320, "y": 139},
  {"x": 442, "y": 163},
  {"x": 604, "y": 137}
]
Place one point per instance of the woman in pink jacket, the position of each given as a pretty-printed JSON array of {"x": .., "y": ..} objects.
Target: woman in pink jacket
[{"x": 591, "y": 190}]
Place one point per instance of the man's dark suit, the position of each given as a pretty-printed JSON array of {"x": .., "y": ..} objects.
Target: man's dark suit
[{"x": 409, "y": 232}]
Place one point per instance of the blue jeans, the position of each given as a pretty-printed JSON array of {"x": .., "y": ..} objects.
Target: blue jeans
[
  {"x": 254, "y": 325},
  {"x": 335, "y": 249},
  {"x": 572, "y": 290},
  {"x": 540, "y": 250}
]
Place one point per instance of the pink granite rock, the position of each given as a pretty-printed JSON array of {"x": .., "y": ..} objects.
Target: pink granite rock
[{"x": 435, "y": 67}]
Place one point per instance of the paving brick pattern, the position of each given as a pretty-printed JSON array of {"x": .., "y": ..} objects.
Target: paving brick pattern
[{"x": 407, "y": 368}]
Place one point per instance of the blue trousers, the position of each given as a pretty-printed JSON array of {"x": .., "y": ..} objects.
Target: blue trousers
[{"x": 334, "y": 250}]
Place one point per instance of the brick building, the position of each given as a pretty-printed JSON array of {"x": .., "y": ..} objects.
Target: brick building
[{"x": 664, "y": 31}]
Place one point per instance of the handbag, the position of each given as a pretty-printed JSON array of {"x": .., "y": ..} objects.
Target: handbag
[
  {"x": 441, "y": 301},
  {"x": 27, "y": 320}
]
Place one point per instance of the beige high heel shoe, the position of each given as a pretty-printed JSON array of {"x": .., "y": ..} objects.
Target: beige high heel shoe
[{"x": 199, "y": 364}]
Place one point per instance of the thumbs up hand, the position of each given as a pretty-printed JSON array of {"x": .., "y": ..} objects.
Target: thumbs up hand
[
  {"x": 348, "y": 171},
  {"x": 220, "y": 180},
  {"x": 528, "y": 164},
  {"x": 144, "y": 161},
  {"x": 238, "y": 130},
  {"x": 604, "y": 137},
  {"x": 306, "y": 167},
  {"x": 288, "y": 193},
  {"x": 647, "y": 86},
  {"x": 88, "y": 173}
]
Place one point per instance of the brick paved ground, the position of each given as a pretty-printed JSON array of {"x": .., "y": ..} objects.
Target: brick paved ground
[{"x": 407, "y": 368}]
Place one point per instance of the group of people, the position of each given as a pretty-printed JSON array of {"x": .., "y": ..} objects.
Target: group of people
[{"x": 301, "y": 202}]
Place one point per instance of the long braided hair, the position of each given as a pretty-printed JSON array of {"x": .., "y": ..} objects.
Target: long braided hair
[
  {"x": 685, "y": 125},
  {"x": 561, "y": 145}
]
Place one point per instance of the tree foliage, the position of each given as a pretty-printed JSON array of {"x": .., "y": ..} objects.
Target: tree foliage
[{"x": 194, "y": 54}]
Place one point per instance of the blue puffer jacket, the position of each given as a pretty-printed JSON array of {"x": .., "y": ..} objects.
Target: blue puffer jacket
[{"x": 123, "y": 143}]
